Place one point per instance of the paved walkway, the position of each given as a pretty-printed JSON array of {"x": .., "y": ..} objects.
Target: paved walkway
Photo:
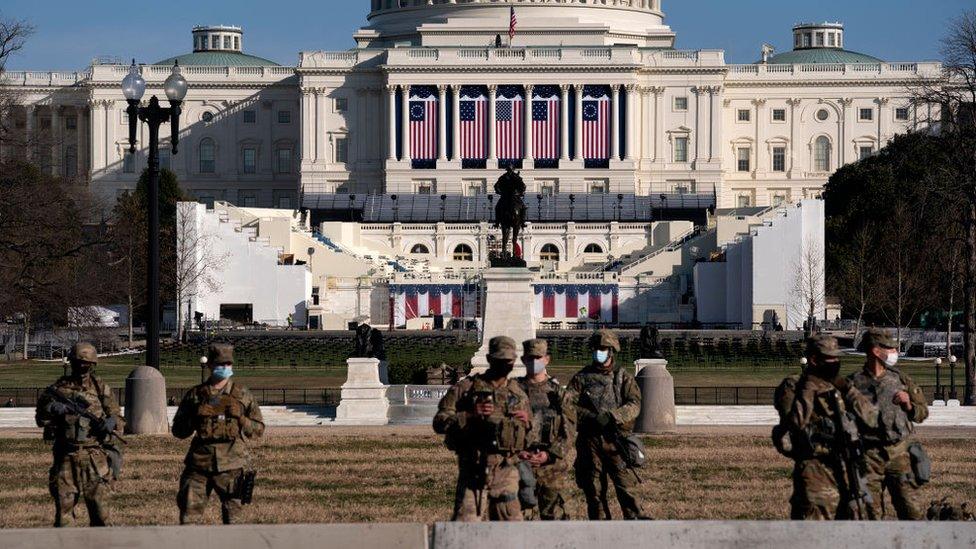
[{"x": 311, "y": 416}]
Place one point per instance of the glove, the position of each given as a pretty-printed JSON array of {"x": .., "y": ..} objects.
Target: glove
[
  {"x": 58, "y": 408},
  {"x": 103, "y": 427},
  {"x": 110, "y": 424},
  {"x": 605, "y": 420}
]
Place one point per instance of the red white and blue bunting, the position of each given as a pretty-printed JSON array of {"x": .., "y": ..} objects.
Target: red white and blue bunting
[
  {"x": 598, "y": 302},
  {"x": 410, "y": 301}
]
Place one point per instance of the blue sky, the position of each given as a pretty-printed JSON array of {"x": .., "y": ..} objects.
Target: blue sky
[{"x": 71, "y": 32}]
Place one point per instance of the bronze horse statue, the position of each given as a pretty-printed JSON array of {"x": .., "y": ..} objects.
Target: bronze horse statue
[{"x": 510, "y": 210}]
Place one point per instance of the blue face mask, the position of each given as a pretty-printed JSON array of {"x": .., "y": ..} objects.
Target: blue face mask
[
  {"x": 601, "y": 357},
  {"x": 223, "y": 372}
]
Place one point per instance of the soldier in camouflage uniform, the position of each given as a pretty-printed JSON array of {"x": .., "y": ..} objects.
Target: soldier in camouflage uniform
[
  {"x": 608, "y": 402},
  {"x": 819, "y": 473},
  {"x": 224, "y": 416},
  {"x": 486, "y": 421},
  {"x": 80, "y": 415},
  {"x": 891, "y": 443},
  {"x": 551, "y": 451}
]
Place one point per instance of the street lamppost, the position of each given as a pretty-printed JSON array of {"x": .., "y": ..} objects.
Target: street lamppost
[
  {"x": 938, "y": 381},
  {"x": 133, "y": 88},
  {"x": 952, "y": 378}
]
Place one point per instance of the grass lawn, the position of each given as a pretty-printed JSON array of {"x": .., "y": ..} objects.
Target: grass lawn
[{"x": 406, "y": 475}]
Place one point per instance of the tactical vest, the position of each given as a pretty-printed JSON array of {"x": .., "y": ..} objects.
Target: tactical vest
[
  {"x": 600, "y": 392},
  {"x": 501, "y": 433},
  {"x": 219, "y": 428},
  {"x": 547, "y": 418},
  {"x": 893, "y": 422},
  {"x": 78, "y": 433}
]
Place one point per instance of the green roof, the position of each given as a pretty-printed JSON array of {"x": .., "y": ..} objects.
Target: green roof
[
  {"x": 218, "y": 59},
  {"x": 821, "y": 56}
]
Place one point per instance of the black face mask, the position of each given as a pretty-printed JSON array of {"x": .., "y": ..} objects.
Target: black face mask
[
  {"x": 498, "y": 369},
  {"x": 829, "y": 369}
]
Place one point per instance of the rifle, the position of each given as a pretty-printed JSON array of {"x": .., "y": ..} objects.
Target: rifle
[
  {"x": 82, "y": 411},
  {"x": 851, "y": 449}
]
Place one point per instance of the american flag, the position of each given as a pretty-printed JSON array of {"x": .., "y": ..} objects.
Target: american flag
[
  {"x": 473, "y": 114},
  {"x": 596, "y": 124},
  {"x": 509, "y": 107},
  {"x": 545, "y": 124},
  {"x": 423, "y": 123},
  {"x": 512, "y": 23}
]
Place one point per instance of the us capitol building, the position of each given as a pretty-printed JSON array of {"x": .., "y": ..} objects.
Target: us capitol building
[{"x": 630, "y": 148}]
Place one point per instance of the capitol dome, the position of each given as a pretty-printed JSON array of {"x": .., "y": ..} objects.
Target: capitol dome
[
  {"x": 819, "y": 43},
  {"x": 220, "y": 46},
  {"x": 439, "y": 23}
]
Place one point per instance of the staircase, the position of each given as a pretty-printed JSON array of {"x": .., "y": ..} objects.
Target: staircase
[{"x": 627, "y": 265}]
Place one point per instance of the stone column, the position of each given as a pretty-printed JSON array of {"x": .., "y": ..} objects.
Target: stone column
[
  {"x": 29, "y": 130},
  {"x": 109, "y": 132},
  {"x": 405, "y": 125},
  {"x": 528, "y": 153},
  {"x": 794, "y": 103},
  {"x": 714, "y": 132},
  {"x": 563, "y": 122},
  {"x": 657, "y": 397},
  {"x": 456, "y": 123},
  {"x": 307, "y": 122},
  {"x": 442, "y": 122},
  {"x": 80, "y": 129},
  {"x": 55, "y": 139},
  {"x": 633, "y": 119},
  {"x": 658, "y": 92},
  {"x": 319, "y": 124},
  {"x": 615, "y": 122},
  {"x": 391, "y": 117},
  {"x": 578, "y": 138},
  {"x": 844, "y": 124},
  {"x": 94, "y": 123},
  {"x": 883, "y": 121},
  {"x": 492, "y": 124},
  {"x": 760, "y": 154},
  {"x": 145, "y": 402},
  {"x": 697, "y": 92}
]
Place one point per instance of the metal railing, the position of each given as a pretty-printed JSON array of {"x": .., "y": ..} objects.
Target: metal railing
[{"x": 26, "y": 397}]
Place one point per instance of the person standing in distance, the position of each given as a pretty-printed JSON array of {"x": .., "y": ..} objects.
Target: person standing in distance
[
  {"x": 223, "y": 416},
  {"x": 608, "y": 402}
]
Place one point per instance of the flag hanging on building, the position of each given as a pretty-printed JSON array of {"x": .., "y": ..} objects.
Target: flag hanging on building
[
  {"x": 596, "y": 123},
  {"x": 473, "y": 114},
  {"x": 512, "y": 23},
  {"x": 598, "y": 302},
  {"x": 423, "y": 123},
  {"x": 410, "y": 301},
  {"x": 509, "y": 106},
  {"x": 546, "y": 123}
]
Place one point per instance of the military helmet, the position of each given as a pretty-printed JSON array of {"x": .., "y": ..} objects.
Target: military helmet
[
  {"x": 502, "y": 348},
  {"x": 220, "y": 353},
  {"x": 83, "y": 352},
  {"x": 605, "y": 338},
  {"x": 877, "y": 337}
]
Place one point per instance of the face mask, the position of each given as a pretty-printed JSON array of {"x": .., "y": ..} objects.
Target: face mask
[
  {"x": 535, "y": 366},
  {"x": 601, "y": 357},
  {"x": 892, "y": 358},
  {"x": 501, "y": 368},
  {"x": 221, "y": 373},
  {"x": 831, "y": 369}
]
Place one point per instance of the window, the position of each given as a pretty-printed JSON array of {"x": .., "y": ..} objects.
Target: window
[
  {"x": 129, "y": 162},
  {"x": 797, "y": 41},
  {"x": 598, "y": 187},
  {"x": 901, "y": 113},
  {"x": 475, "y": 188},
  {"x": 832, "y": 40},
  {"x": 744, "y": 115},
  {"x": 284, "y": 117},
  {"x": 207, "y": 117},
  {"x": 419, "y": 249},
  {"x": 227, "y": 43},
  {"x": 425, "y": 187},
  {"x": 865, "y": 151},
  {"x": 865, "y": 115},
  {"x": 680, "y": 103},
  {"x": 779, "y": 159},
  {"x": 779, "y": 199},
  {"x": 341, "y": 150},
  {"x": 807, "y": 40},
  {"x": 681, "y": 149},
  {"x": 70, "y": 161},
  {"x": 237, "y": 42},
  {"x": 593, "y": 249},
  {"x": 823, "y": 115},
  {"x": 165, "y": 158},
  {"x": 71, "y": 123},
  {"x": 250, "y": 160},
  {"x": 341, "y": 104},
  {"x": 743, "y": 201},
  {"x": 250, "y": 117},
  {"x": 247, "y": 199},
  {"x": 208, "y": 156},
  {"x": 463, "y": 253},
  {"x": 206, "y": 200},
  {"x": 549, "y": 253},
  {"x": 821, "y": 154},
  {"x": 779, "y": 115},
  {"x": 283, "y": 161},
  {"x": 820, "y": 39},
  {"x": 743, "y": 164},
  {"x": 215, "y": 42}
]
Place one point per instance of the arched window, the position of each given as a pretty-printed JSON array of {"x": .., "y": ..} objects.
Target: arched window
[
  {"x": 419, "y": 249},
  {"x": 821, "y": 154},
  {"x": 208, "y": 156},
  {"x": 549, "y": 253},
  {"x": 593, "y": 249},
  {"x": 463, "y": 253}
]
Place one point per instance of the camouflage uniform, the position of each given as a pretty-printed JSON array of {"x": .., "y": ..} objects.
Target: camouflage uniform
[
  {"x": 887, "y": 445},
  {"x": 218, "y": 455},
  {"x": 553, "y": 431},
  {"x": 85, "y": 460},
  {"x": 487, "y": 448},
  {"x": 616, "y": 393}
]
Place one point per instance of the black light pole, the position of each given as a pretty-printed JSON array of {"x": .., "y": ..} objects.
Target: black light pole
[
  {"x": 953, "y": 395},
  {"x": 133, "y": 88},
  {"x": 938, "y": 380}
]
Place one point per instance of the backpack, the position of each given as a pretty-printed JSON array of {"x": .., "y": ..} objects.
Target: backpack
[{"x": 783, "y": 400}]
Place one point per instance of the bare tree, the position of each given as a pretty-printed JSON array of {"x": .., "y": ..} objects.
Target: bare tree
[
  {"x": 808, "y": 288},
  {"x": 954, "y": 99},
  {"x": 14, "y": 34},
  {"x": 856, "y": 274},
  {"x": 198, "y": 265}
]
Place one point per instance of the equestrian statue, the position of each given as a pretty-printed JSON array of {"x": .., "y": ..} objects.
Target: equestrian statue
[{"x": 510, "y": 213}]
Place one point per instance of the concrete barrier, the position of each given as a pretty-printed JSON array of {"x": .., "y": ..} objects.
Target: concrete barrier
[
  {"x": 253, "y": 536},
  {"x": 704, "y": 535}
]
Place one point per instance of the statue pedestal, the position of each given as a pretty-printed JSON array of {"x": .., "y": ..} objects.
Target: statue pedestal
[
  {"x": 363, "y": 400},
  {"x": 508, "y": 312},
  {"x": 658, "y": 412}
]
